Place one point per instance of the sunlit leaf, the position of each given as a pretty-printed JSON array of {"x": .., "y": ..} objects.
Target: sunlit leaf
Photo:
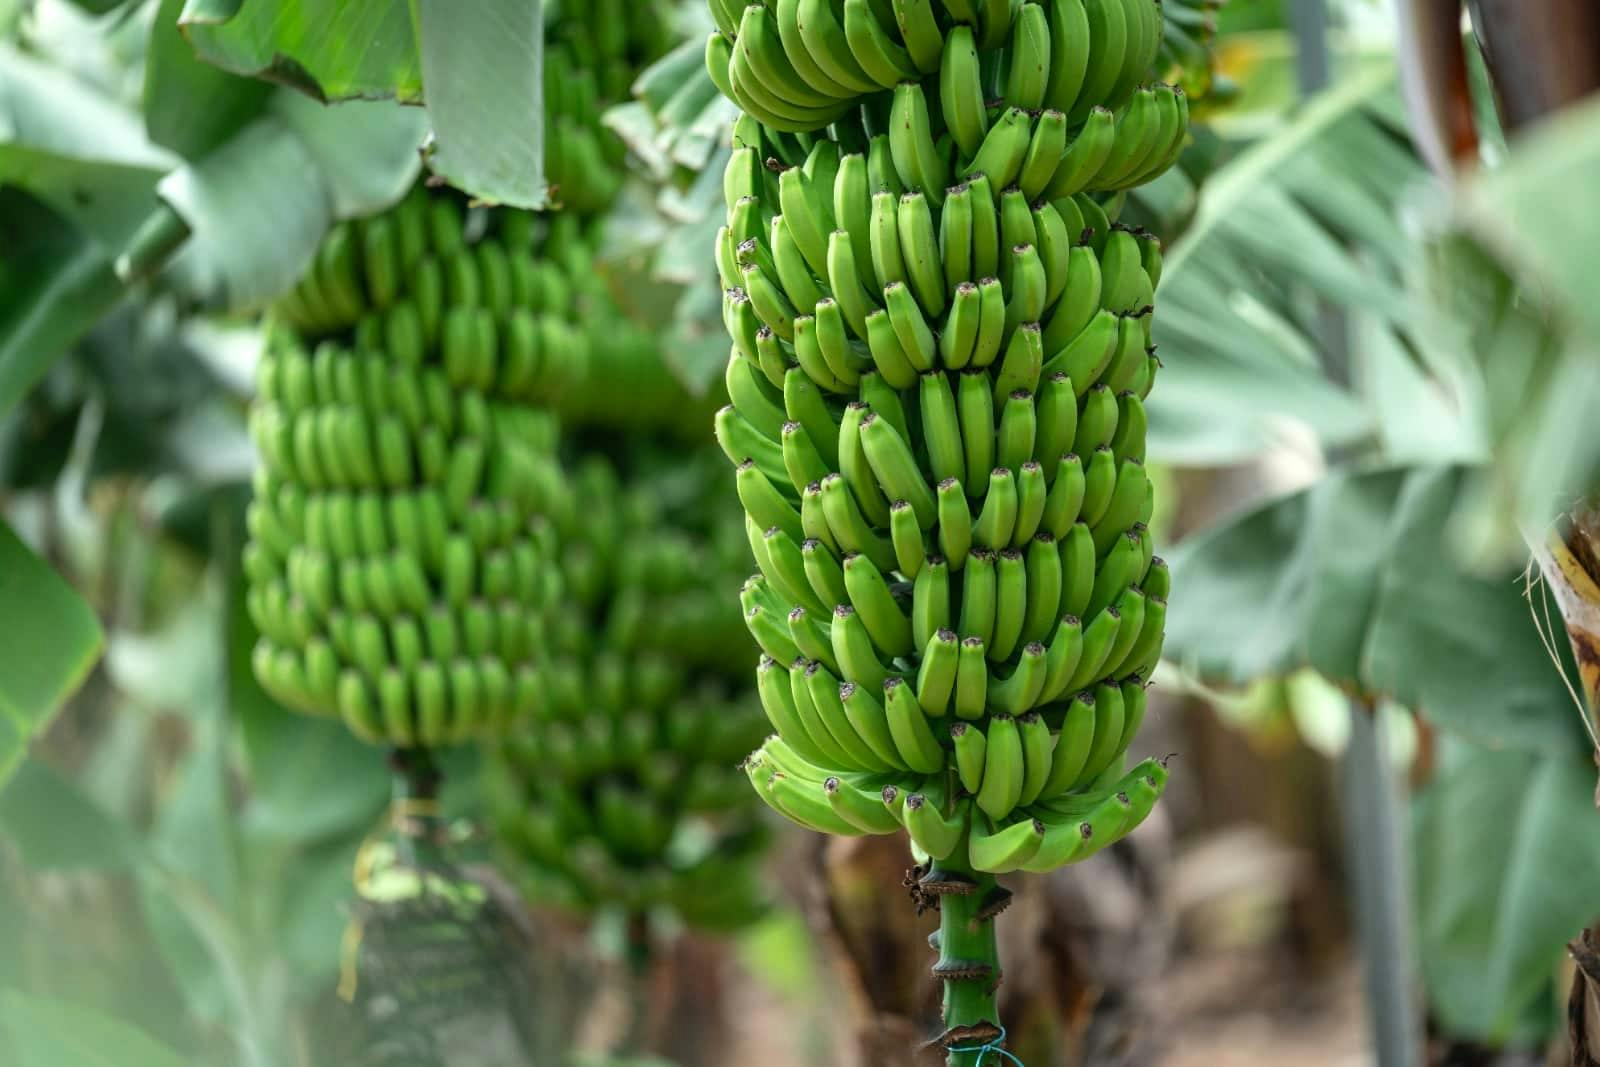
[
  {"x": 483, "y": 66},
  {"x": 329, "y": 49}
]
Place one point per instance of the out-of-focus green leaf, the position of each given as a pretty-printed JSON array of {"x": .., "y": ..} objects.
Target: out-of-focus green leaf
[
  {"x": 1507, "y": 868},
  {"x": 55, "y": 284},
  {"x": 55, "y": 827},
  {"x": 366, "y": 151},
  {"x": 1506, "y": 289},
  {"x": 78, "y": 150},
  {"x": 259, "y": 204},
  {"x": 1525, "y": 210},
  {"x": 1352, "y": 577},
  {"x": 45, "y": 1032},
  {"x": 483, "y": 66},
  {"x": 329, "y": 49},
  {"x": 1308, "y": 216},
  {"x": 257, "y": 207},
  {"x": 189, "y": 106},
  {"x": 52, "y": 639}
]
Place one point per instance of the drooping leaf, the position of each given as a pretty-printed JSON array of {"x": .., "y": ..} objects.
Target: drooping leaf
[
  {"x": 483, "y": 68},
  {"x": 329, "y": 49},
  {"x": 45, "y": 1032},
  {"x": 51, "y": 642},
  {"x": 1353, "y": 577},
  {"x": 189, "y": 106}
]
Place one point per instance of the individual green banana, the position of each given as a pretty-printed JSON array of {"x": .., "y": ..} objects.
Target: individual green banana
[
  {"x": 1069, "y": 53},
  {"x": 1108, "y": 34},
  {"x": 1011, "y": 594},
  {"x": 998, "y": 518},
  {"x": 975, "y": 411},
  {"x": 1018, "y": 428},
  {"x": 896, "y": 468},
  {"x": 884, "y": 61},
  {"x": 853, "y": 648},
  {"x": 961, "y": 96},
  {"x": 888, "y": 626},
  {"x": 906, "y": 536},
  {"x": 1003, "y": 768},
  {"x": 978, "y": 594},
  {"x": 1099, "y": 480},
  {"x": 828, "y": 45},
  {"x": 1108, "y": 721},
  {"x": 917, "y": 158},
  {"x": 954, "y": 522},
  {"x": 1038, "y": 749},
  {"x": 866, "y": 812},
  {"x": 1127, "y": 497},
  {"x": 960, "y": 334},
  {"x": 936, "y": 678},
  {"x": 972, "y": 677},
  {"x": 1032, "y": 494},
  {"x": 941, "y": 428},
  {"x": 1098, "y": 638},
  {"x": 971, "y": 753},
  {"x": 1072, "y": 746},
  {"x": 1000, "y": 157},
  {"x": 913, "y": 737},
  {"x": 1045, "y": 150},
  {"x": 931, "y": 830},
  {"x": 919, "y": 247},
  {"x": 930, "y": 600},
  {"x": 1000, "y": 851}
]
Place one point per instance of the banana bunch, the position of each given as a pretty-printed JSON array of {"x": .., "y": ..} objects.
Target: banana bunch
[
  {"x": 400, "y": 559},
  {"x": 941, "y": 352},
  {"x": 625, "y": 790},
  {"x": 1047, "y": 96},
  {"x": 593, "y": 52}
]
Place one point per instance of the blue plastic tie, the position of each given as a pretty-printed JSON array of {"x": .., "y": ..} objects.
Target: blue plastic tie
[{"x": 992, "y": 1045}]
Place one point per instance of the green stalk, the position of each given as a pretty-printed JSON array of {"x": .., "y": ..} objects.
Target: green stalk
[{"x": 969, "y": 959}]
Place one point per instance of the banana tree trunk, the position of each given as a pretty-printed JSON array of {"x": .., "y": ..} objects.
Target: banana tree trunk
[
  {"x": 1569, "y": 562},
  {"x": 1542, "y": 54}
]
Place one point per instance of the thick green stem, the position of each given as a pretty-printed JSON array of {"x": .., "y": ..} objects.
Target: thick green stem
[{"x": 969, "y": 960}]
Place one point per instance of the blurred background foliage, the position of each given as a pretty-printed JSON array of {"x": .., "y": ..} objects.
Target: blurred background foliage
[{"x": 1377, "y": 396}]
